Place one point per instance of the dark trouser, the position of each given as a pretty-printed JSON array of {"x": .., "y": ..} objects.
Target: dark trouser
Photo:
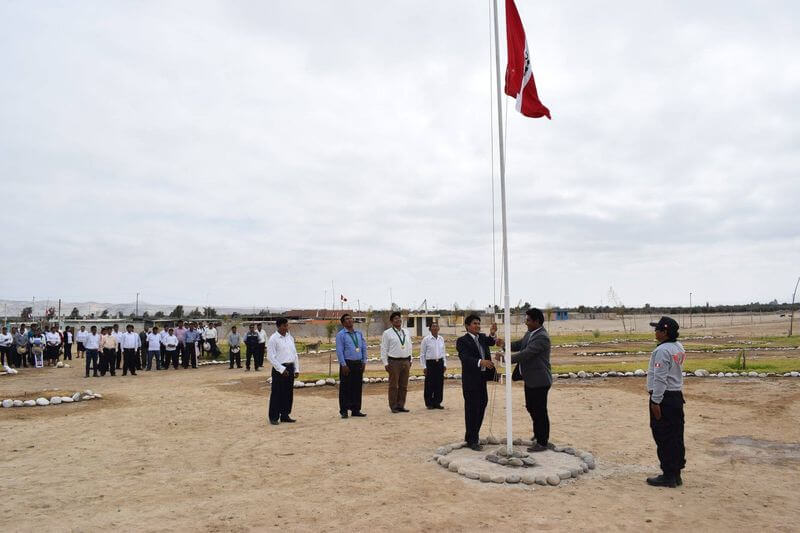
[
  {"x": 235, "y": 357},
  {"x": 350, "y": 387},
  {"x": 163, "y": 352},
  {"x": 668, "y": 433},
  {"x": 258, "y": 360},
  {"x": 119, "y": 356},
  {"x": 475, "y": 401},
  {"x": 536, "y": 404},
  {"x": 67, "y": 352},
  {"x": 129, "y": 361},
  {"x": 15, "y": 357},
  {"x": 181, "y": 348},
  {"x": 5, "y": 355},
  {"x": 251, "y": 352},
  {"x": 51, "y": 353},
  {"x": 153, "y": 355},
  {"x": 189, "y": 356},
  {"x": 81, "y": 349},
  {"x": 107, "y": 361},
  {"x": 282, "y": 394},
  {"x": 91, "y": 360},
  {"x": 434, "y": 382},
  {"x": 142, "y": 356},
  {"x": 398, "y": 382},
  {"x": 214, "y": 350},
  {"x": 171, "y": 356}
]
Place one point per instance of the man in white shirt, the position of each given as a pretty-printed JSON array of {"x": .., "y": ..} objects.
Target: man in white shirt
[
  {"x": 118, "y": 335},
  {"x": 171, "y": 348},
  {"x": 91, "y": 342},
  {"x": 258, "y": 360},
  {"x": 130, "y": 343},
  {"x": 282, "y": 355},
  {"x": 433, "y": 359},
  {"x": 163, "y": 349},
  {"x": 211, "y": 339},
  {"x": 396, "y": 357},
  {"x": 5, "y": 347},
  {"x": 80, "y": 338},
  {"x": 154, "y": 349}
]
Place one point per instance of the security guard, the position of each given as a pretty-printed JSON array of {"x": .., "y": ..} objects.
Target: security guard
[{"x": 664, "y": 383}]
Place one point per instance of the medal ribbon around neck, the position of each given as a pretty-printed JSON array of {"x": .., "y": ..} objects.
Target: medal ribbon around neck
[{"x": 401, "y": 339}]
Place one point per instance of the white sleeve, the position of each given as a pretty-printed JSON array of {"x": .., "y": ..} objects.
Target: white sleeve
[
  {"x": 422, "y": 347},
  {"x": 384, "y": 349},
  {"x": 272, "y": 355}
]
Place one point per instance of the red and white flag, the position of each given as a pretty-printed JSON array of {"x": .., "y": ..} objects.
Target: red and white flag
[{"x": 519, "y": 75}]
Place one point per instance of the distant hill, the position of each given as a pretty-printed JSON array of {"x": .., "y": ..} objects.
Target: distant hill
[{"x": 13, "y": 308}]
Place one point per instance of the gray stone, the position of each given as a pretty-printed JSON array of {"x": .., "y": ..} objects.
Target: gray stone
[
  {"x": 529, "y": 461},
  {"x": 453, "y": 467},
  {"x": 604, "y": 375},
  {"x": 528, "y": 479},
  {"x": 330, "y": 381},
  {"x": 87, "y": 397},
  {"x": 513, "y": 478},
  {"x": 67, "y": 399},
  {"x": 98, "y": 395},
  {"x": 541, "y": 480},
  {"x": 639, "y": 372},
  {"x": 573, "y": 375},
  {"x": 502, "y": 452},
  {"x": 320, "y": 382},
  {"x": 570, "y": 450},
  {"x": 491, "y": 439},
  {"x": 18, "y": 403},
  {"x": 762, "y": 374},
  {"x": 581, "y": 374},
  {"x": 441, "y": 450},
  {"x": 492, "y": 458},
  {"x": 575, "y": 472},
  {"x": 502, "y": 461},
  {"x": 486, "y": 478},
  {"x": 584, "y": 467},
  {"x": 794, "y": 374},
  {"x": 590, "y": 464},
  {"x": 553, "y": 480},
  {"x": 499, "y": 478},
  {"x": 55, "y": 400},
  {"x": 447, "y": 449},
  {"x": 89, "y": 392},
  {"x": 753, "y": 374},
  {"x": 29, "y": 403},
  {"x": 471, "y": 474},
  {"x": 628, "y": 374},
  {"x": 557, "y": 448},
  {"x": 444, "y": 461},
  {"x": 564, "y": 474},
  {"x": 613, "y": 373},
  {"x": 515, "y": 461},
  {"x": 42, "y": 401},
  {"x": 482, "y": 442},
  {"x": 8, "y": 403},
  {"x": 517, "y": 442},
  {"x": 76, "y": 397}
]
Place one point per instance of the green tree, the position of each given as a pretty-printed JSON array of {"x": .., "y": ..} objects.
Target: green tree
[
  {"x": 195, "y": 313},
  {"x": 177, "y": 312},
  {"x": 104, "y": 314},
  {"x": 26, "y": 313},
  {"x": 75, "y": 313},
  {"x": 331, "y": 328},
  {"x": 210, "y": 312},
  {"x": 145, "y": 315},
  {"x": 159, "y": 314}
]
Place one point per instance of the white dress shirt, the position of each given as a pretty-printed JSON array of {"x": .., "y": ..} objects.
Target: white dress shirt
[
  {"x": 118, "y": 335},
  {"x": 92, "y": 342},
  {"x": 281, "y": 350},
  {"x": 69, "y": 337},
  {"x": 53, "y": 339},
  {"x": 262, "y": 336},
  {"x": 163, "y": 336},
  {"x": 396, "y": 344},
  {"x": 81, "y": 336},
  {"x": 210, "y": 333},
  {"x": 130, "y": 341},
  {"x": 5, "y": 339},
  {"x": 432, "y": 349},
  {"x": 153, "y": 342},
  {"x": 171, "y": 343}
]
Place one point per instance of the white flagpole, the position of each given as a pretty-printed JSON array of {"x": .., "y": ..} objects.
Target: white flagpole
[{"x": 507, "y": 313}]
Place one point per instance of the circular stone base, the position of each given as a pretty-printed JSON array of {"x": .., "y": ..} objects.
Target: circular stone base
[{"x": 552, "y": 467}]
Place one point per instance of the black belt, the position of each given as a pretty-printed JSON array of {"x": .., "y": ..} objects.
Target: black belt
[{"x": 400, "y": 358}]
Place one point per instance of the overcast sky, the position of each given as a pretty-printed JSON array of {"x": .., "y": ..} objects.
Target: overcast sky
[{"x": 249, "y": 153}]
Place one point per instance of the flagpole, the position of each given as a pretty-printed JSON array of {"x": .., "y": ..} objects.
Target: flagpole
[{"x": 506, "y": 298}]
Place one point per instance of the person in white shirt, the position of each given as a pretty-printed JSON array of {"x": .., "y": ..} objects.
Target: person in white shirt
[
  {"x": 210, "y": 337},
  {"x": 68, "y": 338},
  {"x": 258, "y": 360},
  {"x": 171, "y": 349},
  {"x": 118, "y": 335},
  {"x": 396, "y": 357},
  {"x": 285, "y": 363},
  {"x": 5, "y": 347},
  {"x": 130, "y": 342},
  {"x": 163, "y": 349},
  {"x": 433, "y": 360},
  {"x": 91, "y": 342},
  {"x": 153, "y": 349},
  {"x": 53, "y": 345},
  {"x": 80, "y": 339}
]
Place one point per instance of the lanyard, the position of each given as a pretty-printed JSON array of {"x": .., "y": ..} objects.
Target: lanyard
[
  {"x": 354, "y": 338},
  {"x": 401, "y": 339}
]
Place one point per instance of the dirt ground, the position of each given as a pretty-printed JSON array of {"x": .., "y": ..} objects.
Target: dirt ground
[{"x": 190, "y": 450}]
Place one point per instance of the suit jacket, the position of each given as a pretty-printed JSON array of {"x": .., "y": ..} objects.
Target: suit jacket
[
  {"x": 533, "y": 357},
  {"x": 472, "y": 377}
]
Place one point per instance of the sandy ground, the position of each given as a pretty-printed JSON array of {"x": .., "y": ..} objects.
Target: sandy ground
[{"x": 190, "y": 450}]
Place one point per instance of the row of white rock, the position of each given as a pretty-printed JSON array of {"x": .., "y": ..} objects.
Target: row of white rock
[
  {"x": 55, "y": 400},
  {"x": 587, "y": 463},
  {"x": 331, "y": 381},
  {"x": 701, "y": 373}
]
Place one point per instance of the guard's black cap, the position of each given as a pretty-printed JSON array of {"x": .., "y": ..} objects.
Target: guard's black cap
[{"x": 666, "y": 323}]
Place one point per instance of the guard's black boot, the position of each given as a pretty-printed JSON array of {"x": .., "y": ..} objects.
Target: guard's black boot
[{"x": 663, "y": 480}]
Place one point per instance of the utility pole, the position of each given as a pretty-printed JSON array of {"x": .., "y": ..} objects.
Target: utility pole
[
  {"x": 137, "y": 304},
  {"x": 791, "y": 316},
  {"x": 690, "y": 310}
]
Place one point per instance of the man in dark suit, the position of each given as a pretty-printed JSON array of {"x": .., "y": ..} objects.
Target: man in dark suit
[
  {"x": 533, "y": 358},
  {"x": 476, "y": 369}
]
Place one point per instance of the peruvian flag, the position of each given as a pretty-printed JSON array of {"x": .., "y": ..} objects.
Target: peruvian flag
[{"x": 519, "y": 76}]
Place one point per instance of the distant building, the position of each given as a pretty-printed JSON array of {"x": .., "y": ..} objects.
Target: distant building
[{"x": 419, "y": 322}]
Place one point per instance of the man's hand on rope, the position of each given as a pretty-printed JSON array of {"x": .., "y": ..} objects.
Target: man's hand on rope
[{"x": 485, "y": 363}]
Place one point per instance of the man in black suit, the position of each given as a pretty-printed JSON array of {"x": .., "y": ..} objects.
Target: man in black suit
[
  {"x": 533, "y": 359},
  {"x": 476, "y": 369}
]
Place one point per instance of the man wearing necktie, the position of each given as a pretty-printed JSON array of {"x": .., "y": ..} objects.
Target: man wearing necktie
[
  {"x": 396, "y": 357},
  {"x": 476, "y": 369}
]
